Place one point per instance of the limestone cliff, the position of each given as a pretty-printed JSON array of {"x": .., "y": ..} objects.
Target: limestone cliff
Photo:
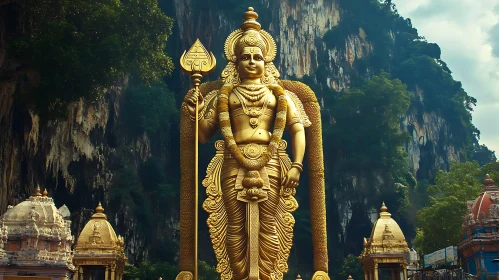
[
  {"x": 72, "y": 158},
  {"x": 298, "y": 28},
  {"x": 76, "y": 158}
]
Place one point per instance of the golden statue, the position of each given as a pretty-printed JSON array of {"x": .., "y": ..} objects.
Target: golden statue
[{"x": 250, "y": 183}]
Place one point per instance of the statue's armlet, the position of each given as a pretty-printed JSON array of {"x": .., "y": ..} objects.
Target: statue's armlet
[
  {"x": 208, "y": 120},
  {"x": 296, "y": 112},
  {"x": 210, "y": 110}
]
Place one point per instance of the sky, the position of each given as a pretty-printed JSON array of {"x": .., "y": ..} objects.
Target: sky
[{"x": 467, "y": 32}]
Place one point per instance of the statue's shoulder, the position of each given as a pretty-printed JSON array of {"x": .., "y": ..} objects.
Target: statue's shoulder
[{"x": 298, "y": 104}]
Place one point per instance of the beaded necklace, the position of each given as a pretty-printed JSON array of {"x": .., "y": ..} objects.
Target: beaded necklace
[
  {"x": 226, "y": 128},
  {"x": 253, "y": 112}
]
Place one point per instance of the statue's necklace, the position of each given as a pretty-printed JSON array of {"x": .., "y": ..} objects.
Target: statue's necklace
[
  {"x": 226, "y": 128},
  {"x": 252, "y": 92},
  {"x": 253, "y": 112}
]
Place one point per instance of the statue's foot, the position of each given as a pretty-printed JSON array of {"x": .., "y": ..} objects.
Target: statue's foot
[
  {"x": 320, "y": 275},
  {"x": 185, "y": 275}
]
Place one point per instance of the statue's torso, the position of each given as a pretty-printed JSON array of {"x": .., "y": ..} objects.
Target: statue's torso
[{"x": 243, "y": 131}]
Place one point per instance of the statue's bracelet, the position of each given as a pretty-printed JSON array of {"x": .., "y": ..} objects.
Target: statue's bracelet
[{"x": 298, "y": 166}]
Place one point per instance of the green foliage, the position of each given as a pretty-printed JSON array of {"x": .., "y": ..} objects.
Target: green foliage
[
  {"x": 79, "y": 47},
  {"x": 351, "y": 266},
  {"x": 158, "y": 184},
  {"x": 165, "y": 270},
  {"x": 148, "y": 192},
  {"x": 447, "y": 207},
  {"x": 336, "y": 37},
  {"x": 483, "y": 155},
  {"x": 367, "y": 125},
  {"x": 398, "y": 49},
  {"x": 150, "y": 109},
  {"x": 367, "y": 162},
  {"x": 151, "y": 271}
]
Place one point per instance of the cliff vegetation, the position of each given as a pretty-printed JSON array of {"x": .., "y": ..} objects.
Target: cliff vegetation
[{"x": 89, "y": 99}]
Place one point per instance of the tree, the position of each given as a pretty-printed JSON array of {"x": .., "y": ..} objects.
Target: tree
[
  {"x": 165, "y": 270},
  {"x": 79, "y": 47},
  {"x": 351, "y": 266},
  {"x": 151, "y": 271},
  {"x": 448, "y": 197},
  {"x": 150, "y": 109},
  {"x": 368, "y": 139},
  {"x": 483, "y": 155}
]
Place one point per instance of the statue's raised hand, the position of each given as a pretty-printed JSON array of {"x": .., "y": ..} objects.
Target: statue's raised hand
[
  {"x": 292, "y": 178},
  {"x": 191, "y": 98}
]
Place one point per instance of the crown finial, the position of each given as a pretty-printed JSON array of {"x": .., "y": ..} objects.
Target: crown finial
[
  {"x": 45, "y": 193},
  {"x": 349, "y": 277},
  {"x": 99, "y": 208},
  {"x": 37, "y": 191},
  {"x": 250, "y": 22},
  {"x": 488, "y": 182},
  {"x": 383, "y": 207}
]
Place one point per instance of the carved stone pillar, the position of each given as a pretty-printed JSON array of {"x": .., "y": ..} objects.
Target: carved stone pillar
[
  {"x": 365, "y": 275},
  {"x": 113, "y": 268},
  {"x": 76, "y": 276},
  {"x": 404, "y": 267},
  {"x": 375, "y": 271},
  {"x": 107, "y": 273}
]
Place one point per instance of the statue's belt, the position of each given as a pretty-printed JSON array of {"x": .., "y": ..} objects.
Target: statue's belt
[{"x": 250, "y": 151}]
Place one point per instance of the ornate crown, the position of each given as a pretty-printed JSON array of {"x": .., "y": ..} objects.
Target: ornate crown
[{"x": 249, "y": 34}]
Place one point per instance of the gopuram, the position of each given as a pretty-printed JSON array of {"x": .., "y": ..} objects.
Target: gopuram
[
  {"x": 251, "y": 181},
  {"x": 479, "y": 247},
  {"x": 35, "y": 241}
]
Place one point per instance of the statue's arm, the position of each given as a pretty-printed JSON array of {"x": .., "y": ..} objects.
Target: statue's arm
[
  {"x": 297, "y": 131},
  {"x": 208, "y": 125},
  {"x": 208, "y": 121}
]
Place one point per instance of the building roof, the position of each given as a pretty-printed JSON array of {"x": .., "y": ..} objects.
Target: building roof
[
  {"x": 486, "y": 201},
  {"x": 98, "y": 231},
  {"x": 42, "y": 224},
  {"x": 482, "y": 214},
  {"x": 39, "y": 208},
  {"x": 98, "y": 243},
  {"x": 386, "y": 237}
]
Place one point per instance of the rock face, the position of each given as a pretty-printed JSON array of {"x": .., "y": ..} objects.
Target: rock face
[
  {"x": 73, "y": 158},
  {"x": 298, "y": 28}
]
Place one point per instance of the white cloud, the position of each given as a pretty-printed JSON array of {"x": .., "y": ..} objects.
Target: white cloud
[
  {"x": 494, "y": 40},
  {"x": 467, "y": 32}
]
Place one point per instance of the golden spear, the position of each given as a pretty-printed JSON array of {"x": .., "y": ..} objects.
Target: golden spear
[{"x": 197, "y": 62}]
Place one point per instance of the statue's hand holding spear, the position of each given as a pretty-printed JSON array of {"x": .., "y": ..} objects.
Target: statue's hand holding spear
[{"x": 196, "y": 62}]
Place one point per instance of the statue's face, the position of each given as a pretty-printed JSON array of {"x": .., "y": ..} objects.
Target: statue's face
[{"x": 250, "y": 64}]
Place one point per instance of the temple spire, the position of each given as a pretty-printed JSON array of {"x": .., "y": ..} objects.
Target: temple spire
[
  {"x": 99, "y": 208},
  {"x": 383, "y": 207},
  {"x": 37, "y": 192}
]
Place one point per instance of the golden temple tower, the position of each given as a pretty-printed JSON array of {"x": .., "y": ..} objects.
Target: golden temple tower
[
  {"x": 99, "y": 253},
  {"x": 385, "y": 249}
]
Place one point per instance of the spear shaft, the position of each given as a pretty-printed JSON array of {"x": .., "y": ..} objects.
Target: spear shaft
[{"x": 197, "y": 62}]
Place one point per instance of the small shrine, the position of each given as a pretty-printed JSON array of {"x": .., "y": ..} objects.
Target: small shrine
[
  {"x": 385, "y": 252},
  {"x": 99, "y": 253},
  {"x": 480, "y": 237},
  {"x": 35, "y": 241}
]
